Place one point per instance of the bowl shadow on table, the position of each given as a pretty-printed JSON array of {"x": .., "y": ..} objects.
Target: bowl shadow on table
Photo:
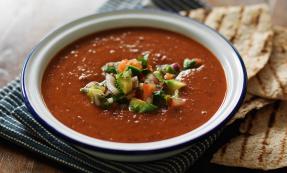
[{"x": 204, "y": 165}]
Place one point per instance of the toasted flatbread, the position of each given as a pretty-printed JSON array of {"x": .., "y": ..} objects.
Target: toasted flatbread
[
  {"x": 263, "y": 142},
  {"x": 271, "y": 81},
  {"x": 197, "y": 14},
  {"x": 250, "y": 103},
  {"x": 248, "y": 28}
]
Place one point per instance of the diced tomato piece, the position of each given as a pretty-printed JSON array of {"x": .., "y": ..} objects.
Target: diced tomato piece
[
  {"x": 135, "y": 63},
  {"x": 198, "y": 61},
  {"x": 168, "y": 76},
  {"x": 148, "y": 90},
  {"x": 123, "y": 65},
  {"x": 149, "y": 67},
  {"x": 175, "y": 102}
]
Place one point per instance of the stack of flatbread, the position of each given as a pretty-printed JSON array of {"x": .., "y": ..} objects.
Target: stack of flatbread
[{"x": 262, "y": 143}]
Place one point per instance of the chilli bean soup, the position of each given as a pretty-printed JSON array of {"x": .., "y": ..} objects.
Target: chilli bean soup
[{"x": 134, "y": 85}]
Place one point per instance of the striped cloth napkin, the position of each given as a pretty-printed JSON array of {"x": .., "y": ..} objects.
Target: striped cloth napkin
[{"x": 19, "y": 127}]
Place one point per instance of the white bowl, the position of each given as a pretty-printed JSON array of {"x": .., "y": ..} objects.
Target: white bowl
[{"x": 41, "y": 55}]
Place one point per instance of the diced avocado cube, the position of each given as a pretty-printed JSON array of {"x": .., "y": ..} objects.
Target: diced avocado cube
[
  {"x": 140, "y": 106},
  {"x": 158, "y": 75},
  {"x": 92, "y": 93},
  {"x": 93, "y": 90},
  {"x": 94, "y": 85},
  {"x": 169, "y": 69},
  {"x": 166, "y": 68},
  {"x": 189, "y": 63},
  {"x": 124, "y": 82},
  {"x": 173, "y": 85}
]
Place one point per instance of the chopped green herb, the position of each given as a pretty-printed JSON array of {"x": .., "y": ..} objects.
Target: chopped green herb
[
  {"x": 160, "y": 98},
  {"x": 135, "y": 71},
  {"x": 145, "y": 71},
  {"x": 144, "y": 60},
  {"x": 110, "y": 69}
]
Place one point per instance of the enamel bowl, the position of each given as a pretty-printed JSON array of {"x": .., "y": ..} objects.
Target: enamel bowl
[{"x": 41, "y": 55}]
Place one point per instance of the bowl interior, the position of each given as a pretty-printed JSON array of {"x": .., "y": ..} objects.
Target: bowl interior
[{"x": 50, "y": 45}]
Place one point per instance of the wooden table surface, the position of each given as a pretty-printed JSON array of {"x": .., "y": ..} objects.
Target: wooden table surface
[{"x": 24, "y": 22}]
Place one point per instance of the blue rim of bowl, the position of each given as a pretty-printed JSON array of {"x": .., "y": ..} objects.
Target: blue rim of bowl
[{"x": 137, "y": 152}]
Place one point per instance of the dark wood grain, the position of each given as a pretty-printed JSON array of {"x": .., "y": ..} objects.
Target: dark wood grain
[{"x": 24, "y": 22}]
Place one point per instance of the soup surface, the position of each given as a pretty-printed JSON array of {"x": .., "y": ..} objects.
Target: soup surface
[{"x": 80, "y": 62}]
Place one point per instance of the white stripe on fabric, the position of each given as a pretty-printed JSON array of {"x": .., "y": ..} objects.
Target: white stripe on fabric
[{"x": 13, "y": 120}]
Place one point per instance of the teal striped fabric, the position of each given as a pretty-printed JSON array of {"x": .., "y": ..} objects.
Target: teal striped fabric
[{"x": 19, "y": 127}]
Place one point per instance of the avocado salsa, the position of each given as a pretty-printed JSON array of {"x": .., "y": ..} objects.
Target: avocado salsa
[{"x": 137, "y": 84}]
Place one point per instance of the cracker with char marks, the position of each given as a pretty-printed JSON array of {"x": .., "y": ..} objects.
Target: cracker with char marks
[
  {"x": 250, "y": 103},
  {"x": 249, "y": 28},
  {"x": 271, "y": 81},
  {"x": 263, "y": 142}
]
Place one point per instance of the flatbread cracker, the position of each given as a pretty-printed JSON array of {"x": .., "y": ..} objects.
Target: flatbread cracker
[
  {"x": 249, "y": 28},
  {"x": 263, "y": 142},
  {"x": 197, "y": 14},
  {"x": 271, "y": 81},
  {"x": 250, "y": 103}
]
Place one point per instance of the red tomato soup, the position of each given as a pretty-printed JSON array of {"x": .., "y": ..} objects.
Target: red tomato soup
[{"x": 80, "y": 63}]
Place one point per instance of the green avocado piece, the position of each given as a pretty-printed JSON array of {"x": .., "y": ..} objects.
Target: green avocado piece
[
  {"x": 92, "y": 93},
  {"x": 189, "y": 63},
  {"x": 93, "y": 90},
  {"x": 169, "y": 69},
  {"x": 158, "y": 75},
  {"x": 173, "y": 85},
  {"x": 124, "y": 81},
  {"x": 166, "y": 68},
  {"x": 140, "y": 106}
]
